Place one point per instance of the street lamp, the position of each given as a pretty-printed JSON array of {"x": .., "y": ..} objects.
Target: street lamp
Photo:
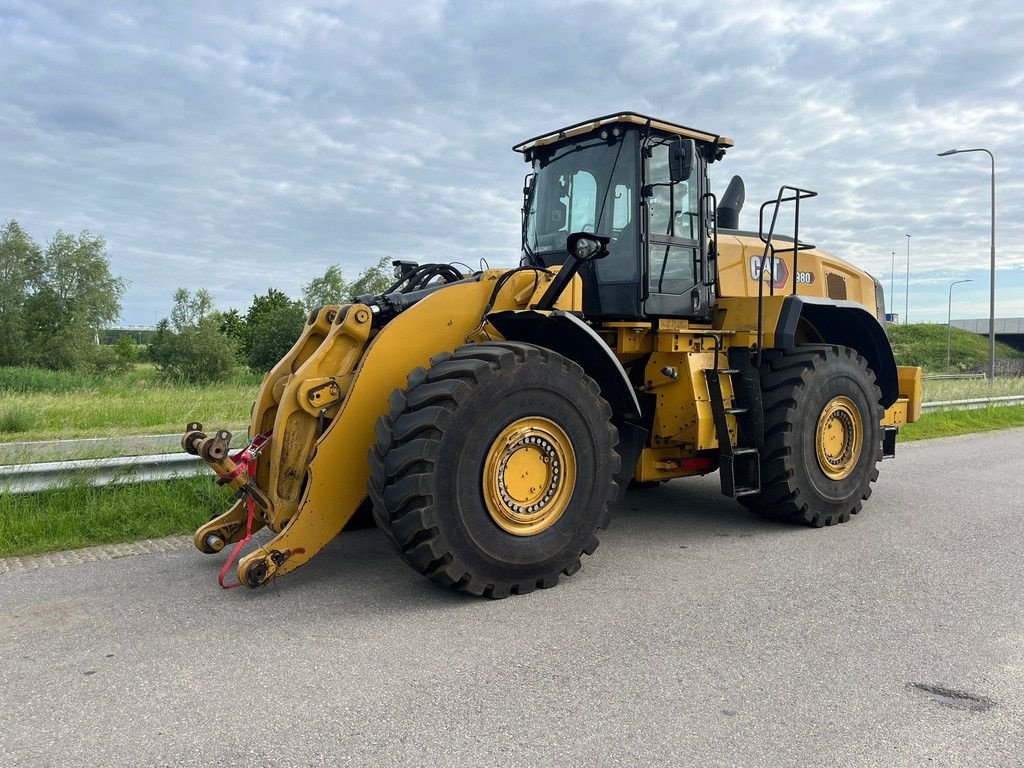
[
  {"x": 949, "y": 317},
  {"x": 892, "y": 284},
  {"x": 992, "y": 275},
  {"x": 906, "y": 308}
]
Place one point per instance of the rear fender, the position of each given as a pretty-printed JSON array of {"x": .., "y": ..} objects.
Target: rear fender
[{"x": 845, "y": 323}]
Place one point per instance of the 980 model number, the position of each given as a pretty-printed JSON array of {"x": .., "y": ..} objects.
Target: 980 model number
[{"x": 805, "y": 278}]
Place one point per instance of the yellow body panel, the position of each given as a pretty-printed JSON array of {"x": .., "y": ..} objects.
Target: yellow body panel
[
  {"x": 819, "y": 273},
  {"x": 911, "y": 387},
  {"x": 908, "y": 408}
]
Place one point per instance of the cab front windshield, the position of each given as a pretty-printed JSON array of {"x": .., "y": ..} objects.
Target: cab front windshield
[{"x": 585, "y": 187}]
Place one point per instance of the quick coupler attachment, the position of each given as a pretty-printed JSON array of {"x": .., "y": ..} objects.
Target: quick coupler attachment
[
  {"x": 215, "y": 450},
  {"x": 236, "y": 472}
]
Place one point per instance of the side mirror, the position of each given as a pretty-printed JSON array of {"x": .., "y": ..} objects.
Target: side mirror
[
  {"x": 586, "y": 246},
  {"x": 680, "y": 159}
]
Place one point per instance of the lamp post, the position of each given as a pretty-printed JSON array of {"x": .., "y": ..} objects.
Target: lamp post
[
  {"x": 949, "y": 317},
  {"x": 906, "y": 308},
  {"x": 892, "y": 283},
  {"x": 992, "y": 275}
]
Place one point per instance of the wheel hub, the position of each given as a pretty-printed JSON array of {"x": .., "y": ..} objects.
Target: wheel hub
[
  {"x": 839, "y": 437},
  {"x": 529, "y": 476}
]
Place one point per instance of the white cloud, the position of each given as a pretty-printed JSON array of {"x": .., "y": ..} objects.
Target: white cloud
[{"x": 282, "y": 137}]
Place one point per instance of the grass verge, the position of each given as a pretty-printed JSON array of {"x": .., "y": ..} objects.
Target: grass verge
[
  {"x": 964, "y": 389},
  {"x": 49, "y": 405},
  {"x": 950, "y": 423},
  {"x": 80, "y": 516}
]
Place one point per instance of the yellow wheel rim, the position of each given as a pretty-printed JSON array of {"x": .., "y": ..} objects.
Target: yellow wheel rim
[
  {"x": 839, "y": 437},
  {"x": 529, "y": 476}
]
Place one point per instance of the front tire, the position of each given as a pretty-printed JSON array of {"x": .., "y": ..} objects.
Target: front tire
[
  {"x": 494, "y": 469},
  {"x": 823, "y": 438}
]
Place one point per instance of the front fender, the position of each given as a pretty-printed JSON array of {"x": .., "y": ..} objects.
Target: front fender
[{"x": 566, "y": 334}]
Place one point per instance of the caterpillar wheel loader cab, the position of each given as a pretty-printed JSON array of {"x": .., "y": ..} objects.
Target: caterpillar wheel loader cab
[{"x": 490, "y": 419}]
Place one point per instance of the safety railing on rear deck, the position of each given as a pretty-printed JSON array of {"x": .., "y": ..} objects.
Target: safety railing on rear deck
[{"x": 770, "y": 254}]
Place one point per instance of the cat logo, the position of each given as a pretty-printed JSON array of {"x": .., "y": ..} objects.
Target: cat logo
[
  {"x": 778, "y": 275},
  {"x": 776, "y": 272}
]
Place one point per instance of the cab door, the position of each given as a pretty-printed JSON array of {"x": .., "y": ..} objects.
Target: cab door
[{"x": 676, "y": 281}]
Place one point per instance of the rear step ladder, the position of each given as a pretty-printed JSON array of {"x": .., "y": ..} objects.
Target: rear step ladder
[{"x": 739, "y": 466}]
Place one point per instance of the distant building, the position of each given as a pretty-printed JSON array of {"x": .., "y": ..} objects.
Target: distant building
[
  {"x": 140, "y": 334},
  {"x": 1009, "y": 330}
]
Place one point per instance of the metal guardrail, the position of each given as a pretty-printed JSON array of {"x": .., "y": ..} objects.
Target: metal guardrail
[
  {"x": 121, "y": 470},
  {"x": 973, "y": 403},
  {"x": 35, "y": 451},
  {"x": 953, "y": 376}
]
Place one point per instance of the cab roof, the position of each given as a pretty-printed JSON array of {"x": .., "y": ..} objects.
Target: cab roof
[{"x": 633, "y": 118}]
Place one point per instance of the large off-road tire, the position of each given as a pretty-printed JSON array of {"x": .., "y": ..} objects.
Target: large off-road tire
[
  {"x": 823, "y": 438},
  {"x": 494, "y": 468}
]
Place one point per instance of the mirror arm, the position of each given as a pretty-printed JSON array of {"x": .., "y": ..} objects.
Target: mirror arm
[
  {"x": 565, "y": 274},
  {"x": 569, "y": 269}
]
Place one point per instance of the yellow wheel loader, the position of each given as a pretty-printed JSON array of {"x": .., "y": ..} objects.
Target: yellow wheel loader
[{"x": 490, "y": 419}]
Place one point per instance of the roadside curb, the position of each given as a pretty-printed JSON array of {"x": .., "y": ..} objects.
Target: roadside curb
[{"x": 92, "y": 554}]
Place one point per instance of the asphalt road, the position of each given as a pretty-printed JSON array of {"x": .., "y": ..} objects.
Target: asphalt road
[{"x": 697, "y": 635}]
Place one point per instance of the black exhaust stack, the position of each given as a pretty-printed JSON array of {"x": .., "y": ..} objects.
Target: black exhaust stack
[{"x": 731, "y": 205}]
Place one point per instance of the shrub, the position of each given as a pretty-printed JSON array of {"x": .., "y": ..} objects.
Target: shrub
[
  {"x": 126, "y": 350},
  {"x": 197, "y": 355},
  {"x": 272, "y": 325},
  {"x": 103, "y": 359}
]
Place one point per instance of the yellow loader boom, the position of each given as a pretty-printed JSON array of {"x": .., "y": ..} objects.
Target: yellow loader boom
[
  {"x": 488, "y": 420},
  {"x": 319, "y": 404}
]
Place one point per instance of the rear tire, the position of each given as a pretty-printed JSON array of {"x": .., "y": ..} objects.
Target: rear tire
[
  {"x": 823, "y": 438},
  {"x": 466, "y": 477}
]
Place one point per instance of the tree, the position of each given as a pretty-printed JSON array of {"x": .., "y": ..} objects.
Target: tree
[
  {"x": 20, "y": 262},
  {"x": 189, "y": 310},
  {"x": 272, "y": 325},
  {"x": 373, "y": 279},
  {"x": 232, "y": 325},
  {"x": 331, "y": 287},
  {"x": 190, "y": 345},
  {"x": 75, "y": 294}
]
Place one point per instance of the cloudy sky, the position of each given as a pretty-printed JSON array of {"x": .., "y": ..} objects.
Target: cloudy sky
[{"x": 234, "y": 146}]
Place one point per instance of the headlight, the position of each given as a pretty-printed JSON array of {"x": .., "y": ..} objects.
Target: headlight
[{"x": 585, "y": 246}]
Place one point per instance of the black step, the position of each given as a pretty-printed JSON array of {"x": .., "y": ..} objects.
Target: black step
[
  {"x": 740, "y": 472},
  {"x": 735, "y": 411},
  {"x": 744, "y": 492},
  {"x": 729, "y": 371}
]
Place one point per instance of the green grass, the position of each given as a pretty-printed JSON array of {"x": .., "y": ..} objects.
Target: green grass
[
  {"x": 964, "y": 389},
  {"x": 47, "y": 405},
  {"x": 13, "y": 420},
  {"x": 950, "y": 423},
  {"x": 924, "y": 344},
  {"x": 79, "y": 516},
  {"x": 40, "y": 380}
]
